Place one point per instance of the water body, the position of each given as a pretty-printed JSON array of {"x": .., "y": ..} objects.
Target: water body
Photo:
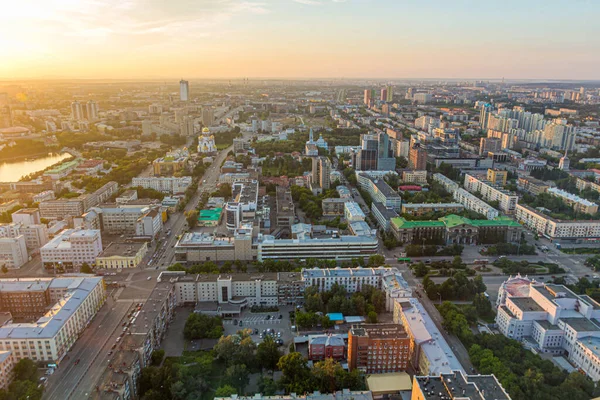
[{"x": 13, "y": 171}]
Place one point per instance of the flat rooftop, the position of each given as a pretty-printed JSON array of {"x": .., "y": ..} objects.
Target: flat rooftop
[
  {"x": 379, "y": 331},
  {"x": 122, "y": 249},
  {"x": 526, "y": 304},
  {"x": 457, "y": 385},
  {"x": 581, "y": 324}
]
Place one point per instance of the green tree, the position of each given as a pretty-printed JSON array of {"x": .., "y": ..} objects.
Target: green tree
[
  {"x": 372, "y": 317},
  {"x": 25, "y": 370},
  {"x": 86, "y": 269},
  {"x": 267, "y": 386},
  {"x": 420, "y": 270},
  {"x": 295, "y": 373},
  {"x": 191, "y": 218},
  {"x": 157, "y": 356},
  {"x": 268, "y": 354},
  {"x": 326, "y": 375},
  {"x": 237, "y": 376},
  {"x": 225, "y": 391},
  {"x": 200, "y": 326}
]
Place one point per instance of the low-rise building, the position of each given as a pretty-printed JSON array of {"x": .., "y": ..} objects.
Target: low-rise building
[
  {"x": 419, "y": 209},
  {"x": 62, "y": 170},
  {"x": 453, "y": 229},
  {"x": 415, "y": 176},
  {"x": 353, "y": 212},
  {"x": 169, "y": 164},
  {"x": 71, "y": 248},
  {"x": 473, "y": 203},
  {"x": 579, "y": 204},
  {"x": 61, "y": 208},
  {"x": 285, "y": 207},
  {"x": 122, "y": 255},
  {"x": 13, "y": 252},
  {"x": 383, "y": 215},
  {"x": 497, "y": 176},
  {"x": 555, "y": 229},
  {"x": 379, "y": 348},
  {"x": 26, "y": 216},
  {"x": 164, "y": 184},
  {"x": 321, "y": 347},
  {"x": 334, "y": 206},
  {"x": 458, "y": 385},
  {"x": 7, "y": 364},
  {"x": 532, "y": 185}
]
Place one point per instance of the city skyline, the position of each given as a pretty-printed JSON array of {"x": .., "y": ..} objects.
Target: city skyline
[{"x": 288, "y": 39}]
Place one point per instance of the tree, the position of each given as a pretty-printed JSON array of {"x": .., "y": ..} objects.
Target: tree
[
  {"x": 191, "y": 218},
  {"x": 479, "y": 285},
  {"x": 267, "y": 386},
  {"x": 157, "y": 357},
  {"x": 200, "y": 326},
  {"x": 25, "y": 370},
  {"x": 482, "y": 305},
  {"x": 296, "y": 374},
  {"x": 225, "y": 391},
  {"x": 85, "y": 269},
  {"x": 420, "y": 270},
  {"x": 325, "y": 373},
  {"x": 4, "y": 269},
  {"x": 237, "y": 376},
  {"x": 376, "y": 260},
  {"x": 226, "y": 348},
  {"x": 372, "y": 317},
  {"x": 268, "y": 354}
]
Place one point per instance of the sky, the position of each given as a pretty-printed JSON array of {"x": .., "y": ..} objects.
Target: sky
[{"x": 395, "y": 39}]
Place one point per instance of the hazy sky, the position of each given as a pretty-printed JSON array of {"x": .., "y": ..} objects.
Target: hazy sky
[{"x": 300, "y": 38}]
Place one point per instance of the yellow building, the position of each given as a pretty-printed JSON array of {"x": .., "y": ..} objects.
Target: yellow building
[
  {"x": 122, "y": 255},
  {"x": 497, "y": 176},
  {"x": 172, "y": 162}
]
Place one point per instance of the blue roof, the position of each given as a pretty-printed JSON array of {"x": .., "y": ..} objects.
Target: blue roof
[{"x": 335, "y": 316}]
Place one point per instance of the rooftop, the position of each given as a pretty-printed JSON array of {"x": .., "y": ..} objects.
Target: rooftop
[
  {"x": 389, "y": 383},
  {"x": 581, "y": 324},
  {"x": 457, "y": 385},
  {"x": 210, "y": 215},
  {"x": 379, "y": 331},
  {"x": 526, "y": 304},
  {"x": 571, "y": 197},
  {"x": 122, "y": 249}
]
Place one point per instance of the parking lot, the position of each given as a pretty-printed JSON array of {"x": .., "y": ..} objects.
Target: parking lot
[{"x": 258, "y": 322}]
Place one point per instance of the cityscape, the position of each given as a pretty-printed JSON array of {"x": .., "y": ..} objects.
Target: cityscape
[{"x": 192, "y": 210}]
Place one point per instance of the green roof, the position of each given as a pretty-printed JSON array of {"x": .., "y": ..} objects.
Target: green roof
[
  {"x": 452, "y": 220},
  {"x": 210, "y": 215}
]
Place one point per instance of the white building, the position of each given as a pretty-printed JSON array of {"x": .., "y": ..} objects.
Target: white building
[
  {"x": 557, "y": 229},
  {"x": 72, "y": 248},
  {"x": 49, "y": 338},
  {"x": 579, "y": 204},
  {"x": 553, "y": 319},
  {"x": 141, "y": 220},
  {"x": 475, "y": 204},
  {"x": 184, "y": 90},
  {"x": 13, "y": 251},
  {"x": 353, "y": 212},
  {"x": 171, "y": 185},
  {"x": 446, "y": 182},
  {"x": 507, "y": 201}
]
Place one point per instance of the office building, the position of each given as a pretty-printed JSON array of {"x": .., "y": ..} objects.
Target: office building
[
  {"x": 383, "y": 214},
  {"x": 417, "y": 158},
  {"x": 579, "y": 204},
  {"x": 48, "y": 339},
  {"x": 474, "y": 203},
  {"x": 170, "y": 185},
  {"x": 285, "y": 207},
  {"x": 13, "y": 252},
  {"x": 242, "y": 207},
  {"x": 71, "y": 248},
  {"x": 379, "y": 190},
  {"x": 184, "y": 90},
  {"x": 497, "y": 177},
  {"x": 555, "y": 229},
  {"x": 453, "y": 229},
  {"x": 122, "y": 255},
  {"x": 458, "y": 385},
  {"x": 507, "y": 201},
  {"x": 26, "y": 216},
  {"x": 76, "y": 111},
  {"x": 353, "y": 212},
  {"x": 379, "y": 348},
  {"x": 420, "y": 209},
  {"x": 194, "y": 247},
  {"x": 173, "y": 161}
]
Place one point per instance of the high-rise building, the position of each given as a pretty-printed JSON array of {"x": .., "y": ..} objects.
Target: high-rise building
[
  {"x": 484, "y": 115},
  {"x": 367, "y": 343},
  {"x": 564, "y": 162},
  {"x": 187, "y": 126},
  {"x": 184, "y": 90},
  {"x": 321, "y": 171},
  {"x": 383, "y": 94},
  {"x": 558, "y": 135},
  {"x": 92, "y": 110},
  {"x": 367, "y": 97},
  {"x": 417, "y": 158},
  {"x": 390, "y": 94},
  {"x": 208, "y": 116},
  {"x": 76, "y": 111}
]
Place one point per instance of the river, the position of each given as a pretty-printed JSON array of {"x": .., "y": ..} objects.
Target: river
[{"x": 13, "y": 171}]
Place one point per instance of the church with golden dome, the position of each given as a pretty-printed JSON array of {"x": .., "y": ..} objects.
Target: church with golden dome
[{"x": 206, "y": 142}]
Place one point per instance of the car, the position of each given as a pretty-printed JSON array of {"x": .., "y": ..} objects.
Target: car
[
  {"x": 118, "y": 339},
  {"x": 260, "y": 336},
  {"x": 241, "y": 323},
  {"x": 77, "y": 361},
  {"x": 110, "y": 353},
  {"x": 541, "y": 278},
  {"x": 428, "y": 261},
  {"x": 268, "y": 317},
  {"x": 148, "y": 278},
  {"x": 280, "y": 316},
  {"x": 125, "y": 329},
  {"x": 235, "y": 321},
  {"x": 256, "y": 331}
]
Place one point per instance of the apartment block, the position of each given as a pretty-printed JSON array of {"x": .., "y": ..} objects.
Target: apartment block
[
  {"x": 552, "y": 228},
  {"x": 507, "y": 201},
  {"x": 446, "y": 182},
  {"x": 497, "y": 177},
  {"x": 415, "y": 176},
  {"x": 7, "y": 364},
  {"x": 531, "y": 185},
  {"x": 419, "y": 209},
  {"x": 579, "y": 204},
  {"x": 171, "y": 185},
  {"x": 379, "y": 348},
  {"x": 473, "y": 203},
  {"x": 13, "y": 251}
]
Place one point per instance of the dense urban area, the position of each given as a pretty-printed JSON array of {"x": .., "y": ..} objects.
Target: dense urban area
[{"x": 299, "y": 239}]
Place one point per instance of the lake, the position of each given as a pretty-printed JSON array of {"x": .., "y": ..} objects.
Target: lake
[{"x": 13, "y": 171}]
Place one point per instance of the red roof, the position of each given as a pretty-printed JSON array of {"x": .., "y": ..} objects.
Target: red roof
[{"x": 410, "y": 187}]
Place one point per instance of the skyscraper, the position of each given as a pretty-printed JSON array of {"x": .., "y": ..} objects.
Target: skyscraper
[
  {"x": 76, "y": 111},
  {"x": 321, "y": 171},
  {"x": 184, "y": 90},
  {"x": 367, "y": 97},
  {"x": 390, "y": 94},
  {"x": 92, "y": 111},
  {"x": 383, "y": 94},
  {"x": 484, "y": 115}
]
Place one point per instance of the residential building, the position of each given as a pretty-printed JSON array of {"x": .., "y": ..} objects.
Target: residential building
[
  {"x": 458, "y": 385},
  {"x": 208, "y": 116},
  {"x": 473, "y": 203},
  {"x": 131, "y": 219},
  {"x": 531, "y": 185},
  {"x": 71, "y": 248},
  {"x": 43, "y": 196},
  {"x": 453, "y": 229},
  {"x": 446, "y": 182},
  {"x": 321, "y": 347},
  {"x": 417, "y": 158},
  {"x": 339, "y": 395},
  {"x": 26, "y": 216},
  {"x": 122, "y": 255},
  {"x": 49, "y": 338},
  {"x": 419, "y": 209},
  {"x": 379, "y": 348},
  {"x": 419, "y": 177},
  {"x": 555, "y": 229},
  {"x": 507, "y": 201},
  {"x": 7, "y": 364},
  {"x": 36, "y": 236},
  {"x": 321, "y": 171},
  {"x": 184, "y": 90},
  {"x": 171, "y": 184},
  {"x": 583, "y": 184},
  {"x": 579, "y": 204},
  {"x": 285, "y": 207},
  {"x": 496, "y": 176},
  {"x": 13, "y": 252},
  {"x": 383, "y": 215},
  {"x": 489, "y": 145},
  {"x": 242, "y": 208},
  {"x": 379, "y": 190},
  {"x": 334, "y": 206}
]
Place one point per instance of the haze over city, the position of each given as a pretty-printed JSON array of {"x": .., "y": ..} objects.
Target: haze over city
[{"x": 140, "y": 39}]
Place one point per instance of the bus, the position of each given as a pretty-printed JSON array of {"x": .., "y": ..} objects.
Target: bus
[
  {"x": 404, "y": 260},
  {"x": 480, "y": 262}
]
